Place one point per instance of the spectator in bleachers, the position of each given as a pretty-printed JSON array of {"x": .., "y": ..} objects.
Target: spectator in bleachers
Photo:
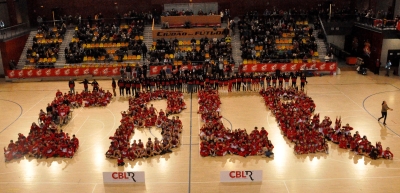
[{"x": 265, "y": 34}]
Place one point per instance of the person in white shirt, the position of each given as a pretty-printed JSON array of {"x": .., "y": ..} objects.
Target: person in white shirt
[{"x": 2, "y": 26}]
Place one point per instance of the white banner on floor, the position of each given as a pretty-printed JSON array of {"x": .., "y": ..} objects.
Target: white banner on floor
[
  {"x": 123, "y": 177},
  {"x": 241, "y": 176}
]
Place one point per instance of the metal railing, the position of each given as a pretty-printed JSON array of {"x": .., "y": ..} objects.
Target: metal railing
[{"x": 12, "y": 31}]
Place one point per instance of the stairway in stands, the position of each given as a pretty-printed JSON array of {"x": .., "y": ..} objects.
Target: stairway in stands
[
  {"x": 148, "y": 36},
  {"x": 236, "y": 52},
  {"x": 61, "y": 53},
  {"x": 28, "y": 44},
  {"x": 320, "y": 44}
]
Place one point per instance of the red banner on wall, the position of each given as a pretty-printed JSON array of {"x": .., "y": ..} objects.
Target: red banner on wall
[
  {"x": 53, "y": 72},
  {"x": 318, "y": 66},
  {"x": 154, "y": 70}
]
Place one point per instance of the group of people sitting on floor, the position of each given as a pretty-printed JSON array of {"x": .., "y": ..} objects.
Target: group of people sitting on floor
[
  {"x": 140, "y": 115},
  {"x": 46, "y": 139},
  {"x": 294, "y": 110},
  {"x": 42, "y": 142},
  {"x": 218, "y": 140},
  {"x": 266, "y": 30}
]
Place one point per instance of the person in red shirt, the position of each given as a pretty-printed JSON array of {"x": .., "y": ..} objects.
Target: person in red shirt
[
  {"x": 387, "y": 154},
  {"x": 120, "y": 161},
  {"x": 75, "y": 142}
]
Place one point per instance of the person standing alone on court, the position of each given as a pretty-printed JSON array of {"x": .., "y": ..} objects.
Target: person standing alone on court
[
  {"x": 388, "y": 64},
  {"x": 385, "y": 108}
]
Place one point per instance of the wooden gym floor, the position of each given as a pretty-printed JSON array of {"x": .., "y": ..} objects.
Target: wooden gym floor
[{"x": 356, "y": 98}]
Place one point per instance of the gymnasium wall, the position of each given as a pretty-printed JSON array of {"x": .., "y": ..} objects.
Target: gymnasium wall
[
  {"x": 4, "y": 13},
  {"x": 109, "y": 8},
  {"x": 1, "y": 67},
  {"x": 12, "y": 50},
  {"x": 375, "y": 38},
  {"x": 389, "y": 44},
  {"x": 337, "y": 40}
]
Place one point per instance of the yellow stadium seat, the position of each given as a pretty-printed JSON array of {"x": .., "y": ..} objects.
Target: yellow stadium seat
[{"x": 138, "y": 57}]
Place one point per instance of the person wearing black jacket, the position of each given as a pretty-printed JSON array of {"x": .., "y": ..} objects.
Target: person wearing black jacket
[
  {"x": 127, "y": 84},
  {"x": 274, "y": 79},
  {"x": 128, "y": 71},
  {"x": 190, "y": 84},
  {"x": 121, "y": 85},
  {"x": 85, "y": 84},
  {"x": 144, "y": 51},
  {"x": 144, "y": 71},
  {"x": 303, "y": 81},
  {"x": 95, "y": 85},
  {"x": 114, "y": 86},
  {"x": 294, "y": 80}
]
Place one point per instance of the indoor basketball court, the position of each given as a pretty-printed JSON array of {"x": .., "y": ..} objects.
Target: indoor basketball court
[{"x": 357, "y": 99}]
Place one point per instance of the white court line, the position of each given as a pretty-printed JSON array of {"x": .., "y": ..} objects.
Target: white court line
[
  {"x": 107, "y": 135},
  {"x": 33, "y": 106},
  {"x": 82, "y": 125},
  {"x": 68, "y": 124},
  {"x": 286, "y": 186},
  {"x": 97, "y": 131},
  {"x": 94, "y": 187},
  {"x": 348, "y": 97}
]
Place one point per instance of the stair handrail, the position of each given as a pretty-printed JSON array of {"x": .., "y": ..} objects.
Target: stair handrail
[
  {"x": 327, "y": 44},
  {"x": 13, "y": 31}
]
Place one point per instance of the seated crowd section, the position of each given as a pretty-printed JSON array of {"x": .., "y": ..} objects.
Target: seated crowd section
[
  {"x": 46, "y": 138},
  {"x": 294, "y": 113},
  {"x": 140, "y": 115},
  {"x": 46, "y": 45},
  {"x": 219, "y": 140},
  {"x": 276, "y": 37},
  {"x": 194, "y": 51},
  {"x": 101, "y": 41}
]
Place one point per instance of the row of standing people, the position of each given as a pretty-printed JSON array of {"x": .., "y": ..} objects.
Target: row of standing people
[{"x": 192, "y": 83}]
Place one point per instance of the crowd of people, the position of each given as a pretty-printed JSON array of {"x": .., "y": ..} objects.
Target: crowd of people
[
  {"x": 140, "y": 115},
  {"x": 191, "y": 81},
  {"x": 264, "y": 31},
  {"x": 46, "y": 138},
  {"x": 96, "y": 97},
  {"x": 101, "y": 31},
  {"x": 294, "y": 110},
  {"x": 218, "y": 140},
  {"x": 167, "y": 51},
  {"x": 46, "y": 45}
]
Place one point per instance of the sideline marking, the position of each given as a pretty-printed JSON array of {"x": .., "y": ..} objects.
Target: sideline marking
[{"x": 20, "y": 114}]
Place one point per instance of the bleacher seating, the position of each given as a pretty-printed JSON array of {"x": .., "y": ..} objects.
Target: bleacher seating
[
  {"x": 107, "y": 43},
  {"x": 276, "y": 38},
  {"x": 180, "y": 52},
  {"x": 46, "y": 44}
]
